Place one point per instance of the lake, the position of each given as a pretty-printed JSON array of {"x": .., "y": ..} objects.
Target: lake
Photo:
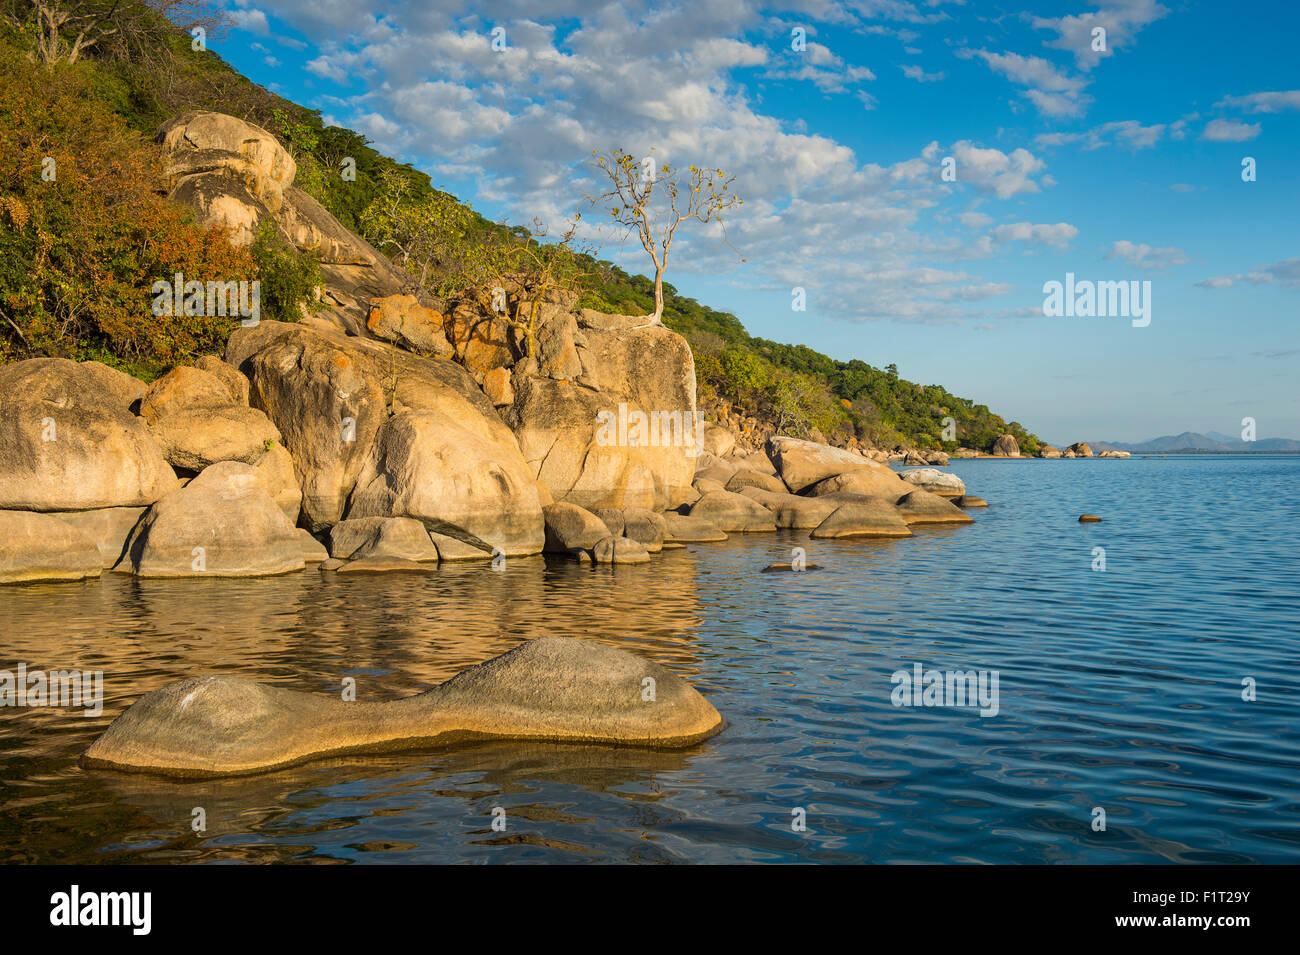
[{"x": 1118, "y": 689}]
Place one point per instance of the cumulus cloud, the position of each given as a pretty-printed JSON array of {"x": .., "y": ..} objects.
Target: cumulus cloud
[
  {"x": 516, "y": 129},
  {"x": 1143, "y": 256},
  {"x": 1058, "y": 234},
  {"x": 1121, "y": 20},
  {"x": 1229, "y": 131},
  {"x": 1286, "y": 273}
]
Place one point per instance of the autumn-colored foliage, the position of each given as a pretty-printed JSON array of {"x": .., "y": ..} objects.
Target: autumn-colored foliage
[{"x": 85, "y": 230}]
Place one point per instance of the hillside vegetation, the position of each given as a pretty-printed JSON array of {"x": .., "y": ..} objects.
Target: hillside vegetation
[{"x": 79, "y": 252}]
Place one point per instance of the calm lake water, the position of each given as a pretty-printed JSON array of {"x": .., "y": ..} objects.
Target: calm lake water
[{"x": 1119, "y": 689}]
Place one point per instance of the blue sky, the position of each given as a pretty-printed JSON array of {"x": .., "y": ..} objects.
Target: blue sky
[{"x": 1117, "y": 164}]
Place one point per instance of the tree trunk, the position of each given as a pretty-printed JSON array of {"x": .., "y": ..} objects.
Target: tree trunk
[{"x": 658, "y": 316}]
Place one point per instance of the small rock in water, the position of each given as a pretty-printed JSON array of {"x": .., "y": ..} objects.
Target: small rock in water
[
  {"x": 776, "y": 568},
  {"x": 970, "y": 500},
  {"x": 1088, "y": 518}
]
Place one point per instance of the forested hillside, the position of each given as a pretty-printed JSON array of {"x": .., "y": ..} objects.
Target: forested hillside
[{"x": 78, "y": 251}]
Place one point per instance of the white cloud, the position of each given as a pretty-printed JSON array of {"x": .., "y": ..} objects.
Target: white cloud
[
  {"x": 251, "y": 19},
  {"x": 1286, "y": 272},
  {"x": 1273, "y": 102},
  {"x": 1127, "y": 132},
  {"x": 992, "y": 171},
  {"x": 1122, "y": 20},
  {"x": 918, "y": 74},
  {"x": 1143, "y": 256},
  {"x": 1229, "y": 131},
  {"x": 1053, "y": 93},
  {"x": 1058, "y": 235}
]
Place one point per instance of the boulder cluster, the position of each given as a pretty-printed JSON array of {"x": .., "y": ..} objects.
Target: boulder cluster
[{"x": 384, "y": 431}]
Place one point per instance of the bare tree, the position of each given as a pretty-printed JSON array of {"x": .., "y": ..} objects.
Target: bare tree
[
  {"x": 65, "y": 30},
  {"x": 636, "y": 206}
]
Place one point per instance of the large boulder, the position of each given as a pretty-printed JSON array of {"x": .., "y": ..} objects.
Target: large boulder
[
  {"x": 41, "y": 547},
  {"x": 1080, "y": 449},
  {"x": 792, "y": 510},
  {"x": 554, "y": 688},
  {"x": 624, "y": 432},
  {"x": 570, "y": 527},
  {"x": 861, "y": 517},
  {"x": 199, "y": 143},
  {"x": 462, "y": 478},
  {"x": 747, "y": 477},
  {"x": 196, "y": 437},
  {"x": 196, "y": 419},
  {"x": 222, "y": 524},
  {"x": 331, "y": 395},
  {"x": 733, "y": 512},
  {"x": 1047, "y": 451},
  {"x": 922, "y": 507},
  {"x": 403, "y": 538},
  {"x": 326, "y": 400},
  {"x": 685, "y": 529},
  {"x": 801, "y": 464},
  {"x": 872, "y": 480},
  {"x": 1006, "y": 446},
  {"x": 401, "y": 319},
  {"x": 619, "y": 550},
  {"x": 68, "y": 441},
  {"x": 943, "y": 483}
]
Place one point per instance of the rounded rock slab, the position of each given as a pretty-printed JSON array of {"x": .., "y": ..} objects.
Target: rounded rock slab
[{"x": 553, "y": 688}]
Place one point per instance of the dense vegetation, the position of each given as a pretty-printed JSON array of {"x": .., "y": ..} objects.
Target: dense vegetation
[{"x": 78, "y": 254}]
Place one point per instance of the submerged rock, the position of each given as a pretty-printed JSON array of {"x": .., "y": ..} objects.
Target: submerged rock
[
  {"x": 970, "y": 500},
  {"x": 552, "y": 688},
  {"x": 1089, "y": 519}
]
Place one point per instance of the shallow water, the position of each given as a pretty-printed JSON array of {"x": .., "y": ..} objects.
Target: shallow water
[{"x": 1118, "y": 689}]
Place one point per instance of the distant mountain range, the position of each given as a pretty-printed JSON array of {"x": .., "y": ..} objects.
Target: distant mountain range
[{"x": 1213, "y": 442}]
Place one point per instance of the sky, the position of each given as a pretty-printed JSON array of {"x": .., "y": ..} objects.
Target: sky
[{"x": 922, "y": 170}]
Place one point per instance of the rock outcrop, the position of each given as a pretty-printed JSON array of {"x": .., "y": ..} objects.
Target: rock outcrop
[
  {"x": 232, "y": 173},
  {"x": 1006, "y": 446},
  {"x": 552, "y": 688},
  {"x": 622, "y": 432}
]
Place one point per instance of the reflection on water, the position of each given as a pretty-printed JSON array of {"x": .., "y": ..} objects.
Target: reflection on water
[{"x": 1118, "y": 689}]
